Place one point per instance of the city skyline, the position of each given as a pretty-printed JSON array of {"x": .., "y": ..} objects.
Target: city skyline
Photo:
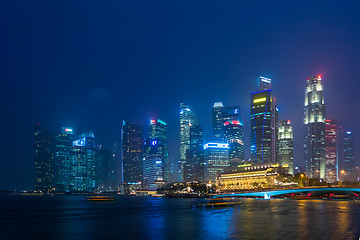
[{"x": 59, "y": 83}]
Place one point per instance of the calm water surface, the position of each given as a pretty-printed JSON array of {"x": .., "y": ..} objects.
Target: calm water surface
[{"x": 70, "y": 217}]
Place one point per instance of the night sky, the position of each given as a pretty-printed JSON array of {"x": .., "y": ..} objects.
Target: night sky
[{"x": 91, "y": 64}]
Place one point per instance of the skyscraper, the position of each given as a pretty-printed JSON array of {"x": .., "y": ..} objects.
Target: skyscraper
[
  {"x": 158, "y": 132},
  {"x": 286, "y": 145},
  {"x": 217, "y": 122},
  {"x": 132, "y": 146},
  {"x": 187, "y": 119},
  {"x": 153, "y": 162},
  {"x": 216, "y": 159},
  {"x": 195, "y": 163},
  {"x": 349, "y": 156},
  {"x": 331, "y": 151},
  {"x": 233, "y": 133},
  {"x": 63, "y": 154},
  {"x": 263, "y": 115},
  {"x": 314, "y": 111},
  {"x": 43, "y": 159},
  {"x": 83, "y": 165}
]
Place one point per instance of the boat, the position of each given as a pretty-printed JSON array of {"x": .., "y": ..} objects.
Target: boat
[
  {"x": 219, "y": 202},
  {"x": 100, "y": 198}
]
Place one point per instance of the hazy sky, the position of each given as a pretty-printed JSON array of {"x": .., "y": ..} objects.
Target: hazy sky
[{"x": 91, "y": 64}]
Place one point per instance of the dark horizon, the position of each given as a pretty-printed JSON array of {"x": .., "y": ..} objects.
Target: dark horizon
[{"x": 91, "y": 65}]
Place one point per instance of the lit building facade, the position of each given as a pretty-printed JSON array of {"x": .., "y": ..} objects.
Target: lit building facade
[
  {"x": 217, "y": 121},
  {"x": 195, "y": 163},
  {"x": 216, "y": 159},
  {"x": 254, "y": 176},
  {"x": 314, "y": 119},
  {"x": 44, "y": 165},
  {"x": 331, "y": 150},
  {"x": 132, "y": 147},
  {"x": 158, "y": 131},
  {"x": 264, "y": 127},
  {"x": 153, "y": 163},
  {"x": 63, "y": 154},
  {"x": 286, "y": 146},
  {"x": 187, "y": 119},
  {"x": 105, "y": 170},
  {"x": 83, "y": 165},
  {"x": 349, "y": 156}
]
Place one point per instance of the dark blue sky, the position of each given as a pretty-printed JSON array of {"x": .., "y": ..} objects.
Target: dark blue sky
[{"x": 92, "y": 64}]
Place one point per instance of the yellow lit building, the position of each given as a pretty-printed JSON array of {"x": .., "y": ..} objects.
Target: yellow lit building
[{"x": 253, "y": 176}]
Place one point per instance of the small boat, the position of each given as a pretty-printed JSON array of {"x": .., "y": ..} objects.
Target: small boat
[
  {"x": 219, "y": 202},
  {"x": 100, "y": 198}
]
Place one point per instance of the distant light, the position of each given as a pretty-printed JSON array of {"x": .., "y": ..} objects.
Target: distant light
[
  {"x": 68, "y": 130},
  {"x": 319, "y": 77},
  {"x": 154, "y": 142},
  {"x": 236, "y": 111},
  {"x": 158, "y": 162},
  {"x": 226, "y": 123},
  {"x": 152, "y": 121},
  {"x": 348, "y": 132},
  {"x": 288, "y": 121},
  {"x": 218, "y": 104},
  {"x": 260, "y": 100}
]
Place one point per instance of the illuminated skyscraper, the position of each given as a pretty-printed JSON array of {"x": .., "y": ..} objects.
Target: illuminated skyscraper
[
  {"x": 286, "y": 145},
  {"x": 43, "y": 159},
  {"x": 158, "y": 132},
  {"x": 217, "y": 122},
  {"x": 187, "y": 119},
  {"x": 63, "y": 154},
  {"x": 233, "y": 133},
  {"x": 153, "y": 162},
  {"x": 216, "y": 159},
  {"x": 331, "y": 151},
  {"x": 195, "y": 163},
  {"x": 83, "y": 165},
  {"x": 264, "y": 118},
  {"x": 314, "y": 111},
  {"x": 132, "y": 147},
  {"x": 349, "y": 156}
]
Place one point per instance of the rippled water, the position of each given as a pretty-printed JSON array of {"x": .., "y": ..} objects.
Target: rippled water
[{"x": 70, "y": 217}]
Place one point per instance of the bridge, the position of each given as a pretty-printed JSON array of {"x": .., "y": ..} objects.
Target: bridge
[{"x": 308, "y": 192}]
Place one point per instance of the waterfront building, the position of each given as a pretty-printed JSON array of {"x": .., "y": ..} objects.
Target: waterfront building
[
  {"x": 153, "y": 163},
  {"x": 217, "y": 121},
  {"x": 83, "y": 164},
  {"x": 234, "y": 136},
  {"x": 286, "y": 146},
  {"x": 195, "y": 161},
  {"x": 331, "y": 151},
  {"x": 105, "y": 170},
  {"x": 253, "y": 176},
  {"x": 63, "y": 154},
  {"x": 43, "y": 159},
  {"x": 216, "y": 159},
  {"x": 314, "y": 119},
  {"x": 349, "y": 156},
  {"x": 264, "y": 127},
  {"x": 158, "y": 131},
  {"x": 132, "y": 147},
  {"x": 188, "y": 118}
]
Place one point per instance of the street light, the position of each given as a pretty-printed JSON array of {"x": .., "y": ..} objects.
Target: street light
[
  {"x": 302, "y": 175},
  {"x": 341, "y": 177}
]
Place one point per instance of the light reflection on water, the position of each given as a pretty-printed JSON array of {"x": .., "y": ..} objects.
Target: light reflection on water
[{"x": 69, "y": 217}]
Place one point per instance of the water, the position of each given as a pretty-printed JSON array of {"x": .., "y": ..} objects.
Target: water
[{"x": 70, "y": 217}]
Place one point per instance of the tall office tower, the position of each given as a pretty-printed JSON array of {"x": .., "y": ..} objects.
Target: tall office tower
[
  {"x": 153, "y": 163},
  {"x": 216, "y": 159},
  {"x": 158, "y": 131},
  {"x": 63, "y": 153},
  {"x": 132, "y": 147},
  {"x": 187, "y": 119},
  {"x": 104, "y": 170},
  {"x": 331, "y": 150},
  {"x": 264, "y": 127},
  {"x": 233, "y": 130},
  {"x": 340, "y": 151},
  {"x": 286, "y": 145},
  {"x": 195, "y": 162},
  {"x": 349, "y": 156},
  {"x": 43, "y": 159},
  {"x": 314, "y": 111},
  {"x": 83, "y": 165},
  {"x": 217, "y": 121}
]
